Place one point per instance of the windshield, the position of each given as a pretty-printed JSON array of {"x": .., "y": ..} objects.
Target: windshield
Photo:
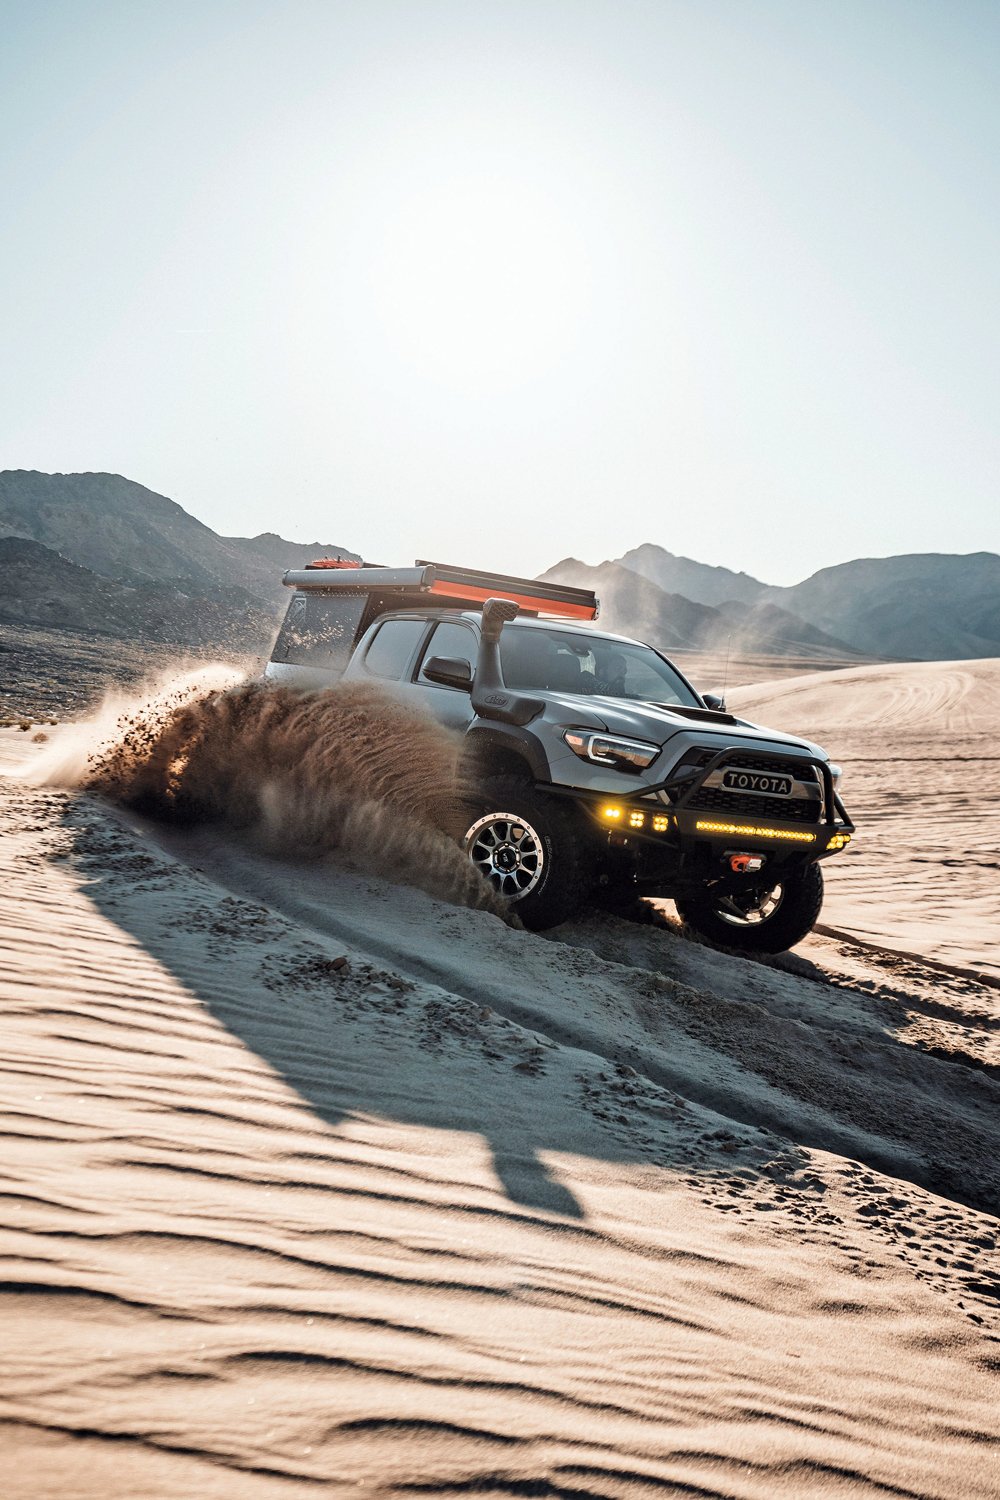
[{"x": 570, "y": 663}]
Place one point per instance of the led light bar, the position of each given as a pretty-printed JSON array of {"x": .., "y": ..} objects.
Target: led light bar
[{"x": 751, "y": 830}]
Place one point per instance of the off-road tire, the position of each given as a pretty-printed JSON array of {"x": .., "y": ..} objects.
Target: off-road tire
[
  {"x": 565, "y": 876},
  {"x": 793, "y": 918}
]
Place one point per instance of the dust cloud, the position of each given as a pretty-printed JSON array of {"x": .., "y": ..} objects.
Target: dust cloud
[
  {"x": 80, "y": 744},
  {"x": 347, "y": 769}
]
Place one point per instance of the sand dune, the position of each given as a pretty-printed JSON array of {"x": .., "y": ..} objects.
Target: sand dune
[
  {"x": 604, "y": 1213},
  {"x": 920, "y": 745}
]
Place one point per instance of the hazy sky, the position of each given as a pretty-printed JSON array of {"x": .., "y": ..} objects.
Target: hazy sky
[{"x": 502, "y": 282}]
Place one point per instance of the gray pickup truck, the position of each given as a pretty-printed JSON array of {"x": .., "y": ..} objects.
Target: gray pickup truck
[{"x": 595, "y": 762}]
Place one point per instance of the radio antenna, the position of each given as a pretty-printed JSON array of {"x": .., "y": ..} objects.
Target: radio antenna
[{"x": 725, "y": 674}]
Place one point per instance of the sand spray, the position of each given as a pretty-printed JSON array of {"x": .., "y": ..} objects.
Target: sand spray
[{"x": 303, "y": 774}]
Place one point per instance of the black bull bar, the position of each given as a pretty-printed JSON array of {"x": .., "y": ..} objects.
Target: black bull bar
[
  {"x": 834, "y": 816},
  {"x": 834, "y": 812}
]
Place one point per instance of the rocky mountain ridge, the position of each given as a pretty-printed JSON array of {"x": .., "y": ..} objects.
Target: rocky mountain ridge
[
  {"x": 915, "y": 606},
  {"x": 146, "y": 568},
  {"x": 123, "y": 531},
  {"x": 43, "y": 588},
  {"x": 633, "y": 605}
]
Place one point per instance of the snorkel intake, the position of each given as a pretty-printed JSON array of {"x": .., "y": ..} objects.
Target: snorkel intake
[{"x": 490, "y": 697}]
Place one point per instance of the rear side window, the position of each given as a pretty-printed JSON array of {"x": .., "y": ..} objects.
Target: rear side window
[
  {"x": 450, "y": 639},
  {"x": 319, "y": 630},
  {"x": 391, "y": 652}
]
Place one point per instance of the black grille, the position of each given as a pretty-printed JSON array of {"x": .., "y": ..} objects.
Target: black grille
[
  {"x": 791, "y": 809},
  {"x": 718, "y": 799},
  {"x": 791, "y": 768}
]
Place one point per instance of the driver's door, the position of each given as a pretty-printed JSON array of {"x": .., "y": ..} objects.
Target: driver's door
[{"x": 452, "y": 706}]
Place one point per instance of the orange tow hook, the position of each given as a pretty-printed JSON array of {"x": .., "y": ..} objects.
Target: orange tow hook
[{"x": 746, "y": 864}]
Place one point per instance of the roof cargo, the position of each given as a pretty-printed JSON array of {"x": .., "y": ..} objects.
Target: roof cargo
[{"x": 445, "y": 586}]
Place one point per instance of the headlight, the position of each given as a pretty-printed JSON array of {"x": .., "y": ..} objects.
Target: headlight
[
  {"x": 609, "y": 750},
  {"x": 836, "y": 773}
]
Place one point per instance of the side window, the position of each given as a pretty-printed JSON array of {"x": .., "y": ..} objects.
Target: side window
[
  {"x": 450, "y": 639},
  {"x": 391, "y": 651},
  {"x": 319, "y": 630}
]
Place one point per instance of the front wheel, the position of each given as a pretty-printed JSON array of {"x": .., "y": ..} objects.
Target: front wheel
[
  {"x": 758, "y": 921},
  {"x": 530, "y": 849}
]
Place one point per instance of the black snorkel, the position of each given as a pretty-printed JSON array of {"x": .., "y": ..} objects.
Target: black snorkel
[{"x": 490, "y": 697}]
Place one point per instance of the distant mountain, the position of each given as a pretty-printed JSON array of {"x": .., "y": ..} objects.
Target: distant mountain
[
  {"x": 633, "y": 605},
  {"x": 766, "y": 629},
  {"x": 931, "y": 606},
  {"x": 696, "y": 581},
  {"x": 267, "y": 556},
  {"x": 123, "y": 531},
  {"x": 42, "y": 588},
  {"x": 927, "y": 606},
  {"x": 145, "y": 567}
]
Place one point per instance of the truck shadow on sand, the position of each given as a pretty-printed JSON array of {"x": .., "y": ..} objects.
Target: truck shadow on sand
[
  {"x": 643, "y": 1070},
  {"x": 350, "y": 1038}
]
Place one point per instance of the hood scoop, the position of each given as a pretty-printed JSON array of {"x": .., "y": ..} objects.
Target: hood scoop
[{"x": 702, "y": 715}]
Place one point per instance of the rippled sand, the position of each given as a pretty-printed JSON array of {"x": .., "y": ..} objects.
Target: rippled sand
[{"x": 606, "y": 1213}]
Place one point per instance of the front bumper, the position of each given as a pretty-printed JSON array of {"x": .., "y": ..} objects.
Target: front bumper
[{"x": 662, "y": 813}]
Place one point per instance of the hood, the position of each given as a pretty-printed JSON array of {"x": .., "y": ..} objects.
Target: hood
[{"x": 657, "y": 722}]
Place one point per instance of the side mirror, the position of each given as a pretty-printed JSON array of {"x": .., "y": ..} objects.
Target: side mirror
[
  {"x": 714, "y": 701},
  {"x": 449, "y": 671}
]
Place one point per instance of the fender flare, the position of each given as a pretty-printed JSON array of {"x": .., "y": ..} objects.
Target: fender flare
[{"x": 482, "y": 739}]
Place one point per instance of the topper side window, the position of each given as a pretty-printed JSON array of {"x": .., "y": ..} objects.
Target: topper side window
[{"x": 319, "y": 630}]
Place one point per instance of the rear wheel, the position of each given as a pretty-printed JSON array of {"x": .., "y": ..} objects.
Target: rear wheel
[
  {"x": 530, "y": 849},
  {"x": 758, "y": 920}
]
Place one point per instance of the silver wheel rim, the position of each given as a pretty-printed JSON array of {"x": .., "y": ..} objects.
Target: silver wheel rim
[
  {"x": 729, "y": 910},
  {"x": 507, "y": 852}
]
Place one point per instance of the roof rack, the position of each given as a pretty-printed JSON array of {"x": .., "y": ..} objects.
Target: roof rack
[{"x": 445, "y": 585}]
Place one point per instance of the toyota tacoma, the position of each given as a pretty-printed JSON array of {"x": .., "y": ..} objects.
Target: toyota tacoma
[{"x": 594, "y": 762}]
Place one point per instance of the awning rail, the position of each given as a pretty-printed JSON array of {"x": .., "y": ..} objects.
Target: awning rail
[{"x": 447, "y": 585}]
